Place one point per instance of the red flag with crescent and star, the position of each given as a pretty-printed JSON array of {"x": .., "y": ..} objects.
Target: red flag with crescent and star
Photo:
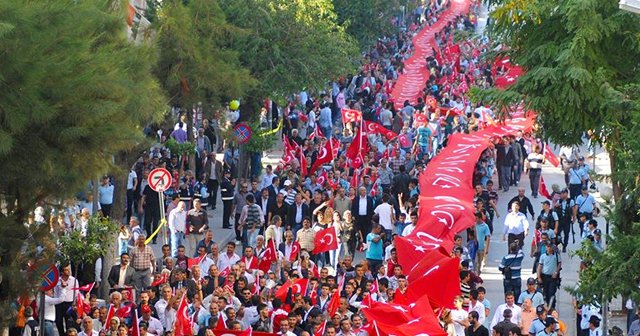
[
  {"x": 325, "y": 155},
  {"x": 349, "y": 115},
  {"x": 373, "y": 127},
  {"x": 182, "y": 325},
  {"x": 326, "y": 240}
]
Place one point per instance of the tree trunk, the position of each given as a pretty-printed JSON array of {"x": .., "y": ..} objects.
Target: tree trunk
[{"x": 124, "y": 161}]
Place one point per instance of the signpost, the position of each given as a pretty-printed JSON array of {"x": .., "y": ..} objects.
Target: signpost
[
  {"x": 242, "y": 133},
  {"x": 159, "y": 180},
  {"x": 50, "y": 277}
]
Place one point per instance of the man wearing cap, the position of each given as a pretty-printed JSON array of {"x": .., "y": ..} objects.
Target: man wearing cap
[
  {"x": 594, "y": 326},
  {"x": 597, "y": 240},
  {"x": 531, "y": 293},
  {"x": 227, "y": 187},
  {"x": 566, "y": 217},
  {"x": 538, "y": 324},
  {"x": 549, "y": 274},
  {"x": 588, "y": 229},
  {"x": 154, "y": 325},
  {"x": 550, "y": 324},
  {"x": 585, "y": 203}
]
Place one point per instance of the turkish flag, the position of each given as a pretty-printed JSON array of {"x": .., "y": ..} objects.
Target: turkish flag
[
  {"x": 247, "y": 332},
  {"x": 543, "y": 189},
  {"x": 355, "y": 178},
  {"x": 86, "y": 288},
  {"x": 225, "y": 272},
  {"x": 321, "y": 328},
  {"x": 313, "y": 295},
  {"x": 374, "y": 286},
  {"x": 303, "y": 165},
  {"x": 349, "y": 115},
  {"x": 220, "y": 325},
  {"x": 182, "y": 325},
  {"x": 281, "y": 293},
  {"x": 404, "y": 141},
  {"x": 300, "y": 286},
  {"x": 358, "y": 146},
  {"x": 110, "y": 313},
  {"x": 195, "y": 261},
  {"x": 289, "y": 151},
  {"x": 334, "y": 302},
  {"x": 124, "y": 311},
  {"x": 373, "y": 127},
  {"x": 427, "y": 261},
  {"x": 325, "y": 155},
  {"x": 389, "y": 313},
  {"x": 295, "y": 249},
  {"x": 446, "y": 274},
  {"x": 551, "y": 156},
  {"x": 335, "y": 147},
  {"x": 412, "y": 249},
  {"x": 135, "y": 326},
  {"x": 419, "y": 119},
  {"x": 326, "y": 240},
  {"x": 157, "y": 281},
  {"x": 268, "y": 256},
  {"x": 431, "y": 102},
  {"x": 80, "y": 305},
  {"x": 323, "y": 178},
  {"x": 417, "y": 326}
]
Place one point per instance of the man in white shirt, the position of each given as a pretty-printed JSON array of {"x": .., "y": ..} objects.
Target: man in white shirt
[
  {"x": 155, "y": 326},
  {"x": 516, "y": 226},
  {"x": 87, "y": 327},
  {"x": 64, "y": 291},
  {"x": 386, "y": 213},
  {"x": 267, "y": 177},
  {"x": 516, "y": 311},
  {"x": 459, "y": 316},
  {"x": 161, "y": 305},
  {"x": 477, "y": 306},
  {"x": 177, "y": 227},
  {"x": 50, "y": 303},
  {"x": 225, "y": 260}
]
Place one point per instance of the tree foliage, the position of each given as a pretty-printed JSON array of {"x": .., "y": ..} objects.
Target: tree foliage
[
  {"x": 196, "y": 62},
  {"x": 580, "y": 58},
  {"x": 291, "y": 44},
  {"x": 367, "y": 20},
  {"x": 73, "y": 91}
]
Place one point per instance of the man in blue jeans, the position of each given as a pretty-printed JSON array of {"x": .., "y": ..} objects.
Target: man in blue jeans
[
  {"x": 510, "y": 267},
  {"x": 375, "y": 248},
  {"x": 177, "y": 227}
]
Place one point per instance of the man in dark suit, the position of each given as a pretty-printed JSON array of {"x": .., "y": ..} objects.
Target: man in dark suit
[
  {"x": 182, "y": 282},
  {"x": 362, "y": 211},
  {"x": 297, "y": 212},
  {"x": 273, "y": 188},
  {"x": 213, "y": 173},
  {"x": 121, "y": 275},
  {"x": 264, "y": 201},
  {"x": 310, "y": 312}
]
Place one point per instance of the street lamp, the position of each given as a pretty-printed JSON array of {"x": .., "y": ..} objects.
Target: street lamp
[{"x": 630, "y": 5}]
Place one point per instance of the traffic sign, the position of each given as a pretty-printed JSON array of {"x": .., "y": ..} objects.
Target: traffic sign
[
  {"x": 159, "y": 179},
  {"x": 50, "y": 277},
  {"x": 242, "y": 132}
]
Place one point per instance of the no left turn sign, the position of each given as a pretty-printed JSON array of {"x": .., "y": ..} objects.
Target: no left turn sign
[{"x": 159, "y": 179}]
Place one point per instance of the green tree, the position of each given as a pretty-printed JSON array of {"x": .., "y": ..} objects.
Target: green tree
[
  {"x": 367, "y": 20},
  {"x": 73, "y": 91},
  {"x": 580, "y": 58},
  {"x": 196, "y": 61},
  {"x": 290, "y": 44}
]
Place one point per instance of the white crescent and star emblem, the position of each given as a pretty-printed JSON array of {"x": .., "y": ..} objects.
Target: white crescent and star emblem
[
  {"x": 322, "y": 154},
  {"x": 297, "y": 288},
  {"x": 325, "y": 236}
]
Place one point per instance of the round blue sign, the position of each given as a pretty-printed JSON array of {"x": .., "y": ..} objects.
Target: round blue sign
[
  {"x": 242, "y": 132},
  {"x": 50, "y": 278}
]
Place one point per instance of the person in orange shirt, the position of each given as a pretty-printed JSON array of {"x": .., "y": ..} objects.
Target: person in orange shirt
[
  {"x": 528, "y": 315},
  {"x": 562, "y": 327}
]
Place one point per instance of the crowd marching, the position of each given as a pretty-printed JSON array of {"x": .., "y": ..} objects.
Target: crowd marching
[{"x": 322, "y": 237}]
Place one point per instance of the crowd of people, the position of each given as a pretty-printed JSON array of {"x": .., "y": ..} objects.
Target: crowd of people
[{"x": 316, "y": 235}]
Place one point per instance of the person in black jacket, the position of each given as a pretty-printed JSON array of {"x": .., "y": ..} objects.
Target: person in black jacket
[
  {"x": 525, "y": 203},
  {"x": 509, "y": 159},
  {"x": 227, "y": 191},
  {"x": 182, "y": 282},
  {"x": 362, "y": 216}
]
